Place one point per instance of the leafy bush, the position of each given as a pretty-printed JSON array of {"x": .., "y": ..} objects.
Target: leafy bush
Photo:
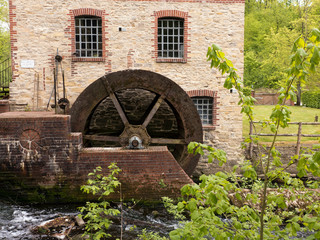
[
  {"x": 311, "y": 99},
  {"x": 219, "y": 208},
  {"x": 95, "y": 213}
]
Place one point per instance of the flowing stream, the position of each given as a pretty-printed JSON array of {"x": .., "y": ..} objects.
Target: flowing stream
[{"x": 17, "y": 221}]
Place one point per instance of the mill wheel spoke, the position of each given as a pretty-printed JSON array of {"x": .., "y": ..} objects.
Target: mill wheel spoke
[
  {"x": 117, "y": 104},
  {"x": 102, "y": 138},
  {"x": 155, "y": 106},
  {"x": 168, "y": 141}
]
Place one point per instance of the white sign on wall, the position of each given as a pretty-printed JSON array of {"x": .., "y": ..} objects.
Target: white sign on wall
[{"x": 27, "y": 63}]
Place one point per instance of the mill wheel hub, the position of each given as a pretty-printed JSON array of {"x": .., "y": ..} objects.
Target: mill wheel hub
[{"x": 135, "y": 137}]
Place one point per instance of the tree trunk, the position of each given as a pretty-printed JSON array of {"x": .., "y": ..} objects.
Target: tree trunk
[{"x": 298, "y": 103}]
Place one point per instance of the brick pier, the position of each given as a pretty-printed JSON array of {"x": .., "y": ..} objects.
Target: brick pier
[{"x": 41, "y": 160}]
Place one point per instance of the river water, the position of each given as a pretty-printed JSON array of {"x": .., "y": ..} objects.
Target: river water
[{"x": 16, "y": 221}]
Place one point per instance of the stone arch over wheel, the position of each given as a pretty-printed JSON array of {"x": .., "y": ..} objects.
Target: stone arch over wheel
[{"x": 164, "y": 92}]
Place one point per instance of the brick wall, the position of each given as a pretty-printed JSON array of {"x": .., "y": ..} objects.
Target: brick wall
[
  {"x": 4, "y": 106},
  {"x": 42, "y": 161}
]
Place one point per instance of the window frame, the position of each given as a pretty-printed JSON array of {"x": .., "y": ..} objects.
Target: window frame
[
  {"x": 215, "y": 108},
  {"x": 172, "y": 14},
  {"x": 206, "y": 118},
  {"x": 89, "y": 13},
  {"x": 88, "y": 36}
]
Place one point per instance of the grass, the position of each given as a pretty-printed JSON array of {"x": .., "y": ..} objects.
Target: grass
[{"x": 299, "y": 114}]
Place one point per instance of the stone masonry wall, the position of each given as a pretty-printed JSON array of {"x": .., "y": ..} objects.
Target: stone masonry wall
[{"x": 38, "y": 29}]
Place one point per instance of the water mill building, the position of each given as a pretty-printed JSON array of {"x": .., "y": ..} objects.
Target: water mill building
[{"x": 119, "y": 80}]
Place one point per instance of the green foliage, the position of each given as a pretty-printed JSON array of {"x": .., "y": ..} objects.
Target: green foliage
[
  {"x": 219, "y": 208},
  {"x": 4, "y": 31},
  {"x": 96, "y": 213},
  {"x": 311, "y": 99},
  {"x": 147, "y": 235},
  {"x": 270, "y": 28},
  {"x": 269, "y": 33}
]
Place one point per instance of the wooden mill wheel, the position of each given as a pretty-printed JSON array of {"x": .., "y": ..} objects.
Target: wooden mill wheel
[{"x": 136, "y": 109}]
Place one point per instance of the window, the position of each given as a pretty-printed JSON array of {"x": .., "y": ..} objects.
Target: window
[
  {"x": 204, "y": 106},
  {"x": 88, "y": 37},
  {"x": 87, "y": 34},
  {"x": 170, "y": 38}
]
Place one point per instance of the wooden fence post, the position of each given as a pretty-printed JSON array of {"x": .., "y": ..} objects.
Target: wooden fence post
[
  {"x": 299, "y": 139},
  {"x": 251, "y": 143}
]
